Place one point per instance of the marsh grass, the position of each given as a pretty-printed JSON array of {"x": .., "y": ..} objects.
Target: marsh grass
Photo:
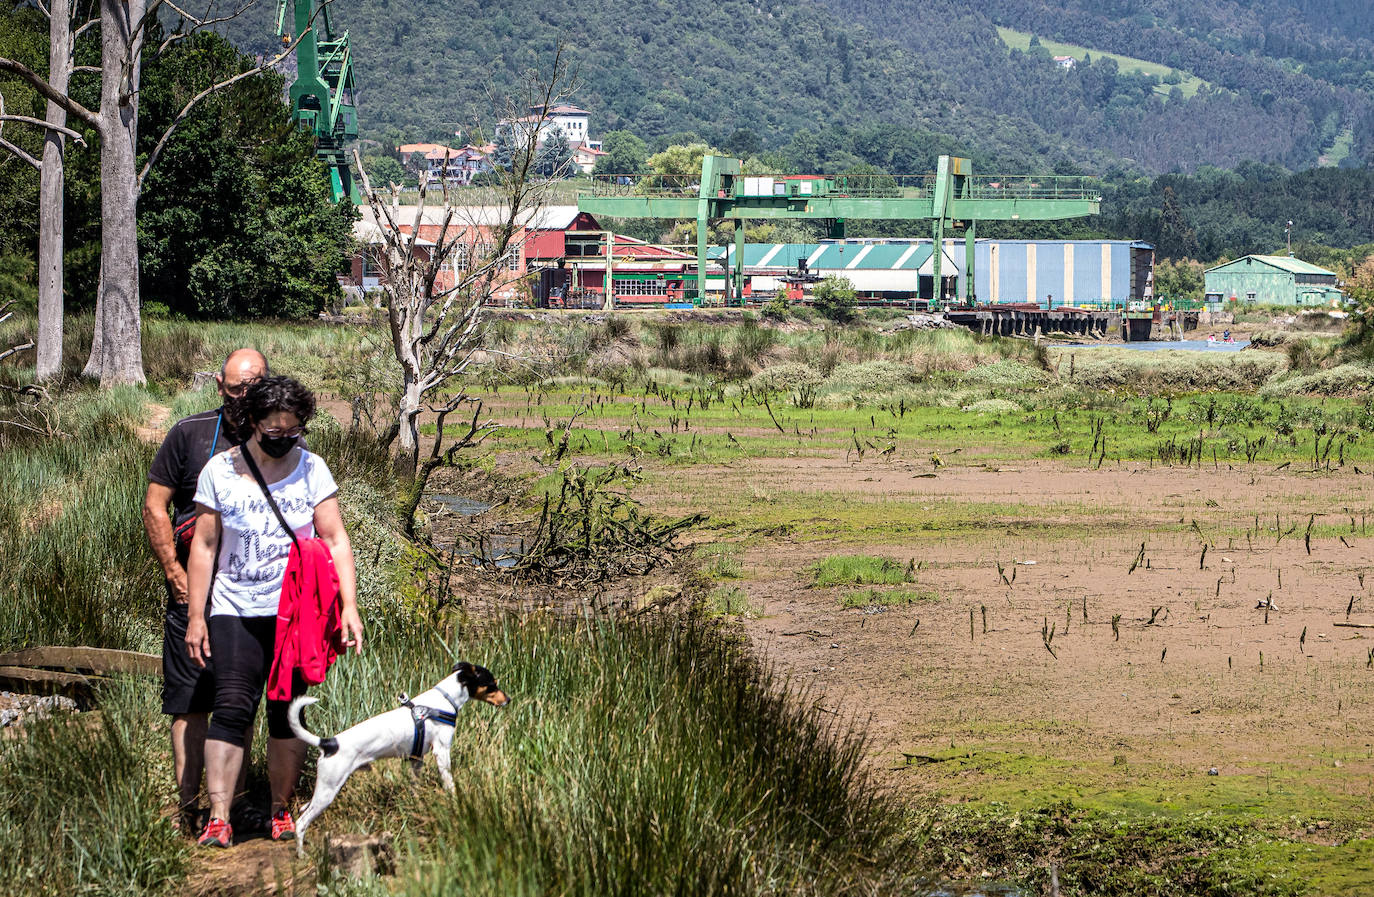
[
  {"x": 81, "y": 800},
  {"x": 860, "y": 569},
  {"x": 654, "y": 758},
  {"x": 74, "y": 565},
  {"x": 899, "y": 597},
  {"x": 730, "y": 601},
  {"x": 721, "y": 560}
]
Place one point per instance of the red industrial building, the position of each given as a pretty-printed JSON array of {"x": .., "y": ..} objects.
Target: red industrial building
[{"x": 558, "y": 258}]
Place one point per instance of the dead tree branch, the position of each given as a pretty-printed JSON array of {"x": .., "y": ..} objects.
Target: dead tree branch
[
  {"x": 48, "y": 92},
  {"x": 209, "y": 91},
  {"x": 442, "y": 263}
]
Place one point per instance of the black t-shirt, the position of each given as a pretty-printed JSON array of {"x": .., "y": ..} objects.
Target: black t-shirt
[{"x": 185, "y": 451}]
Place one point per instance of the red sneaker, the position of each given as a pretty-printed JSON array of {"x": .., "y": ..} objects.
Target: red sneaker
[
  {"x": 283, "y": 826},
  {"x": 218, "y": 833}
]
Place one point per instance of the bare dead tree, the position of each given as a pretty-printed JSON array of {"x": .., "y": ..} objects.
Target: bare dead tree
[
  {"x": 62, "y": 34},
  {"x": 435, "y": 288},
  {"x": 116, "y": 348}
]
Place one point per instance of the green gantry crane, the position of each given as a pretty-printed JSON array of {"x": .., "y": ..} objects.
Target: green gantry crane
[
  {"x": 951, "y": 198},
  {"x": 322, "y": 94}
]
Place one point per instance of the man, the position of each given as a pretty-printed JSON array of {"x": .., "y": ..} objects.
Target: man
[{"x": 188, "y": 692}]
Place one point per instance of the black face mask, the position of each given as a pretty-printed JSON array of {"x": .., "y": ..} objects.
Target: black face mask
[{"x": 277, "y": 446}]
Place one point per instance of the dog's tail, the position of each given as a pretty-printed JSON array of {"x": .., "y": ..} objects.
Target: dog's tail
[{"x": 327, "y": 746}]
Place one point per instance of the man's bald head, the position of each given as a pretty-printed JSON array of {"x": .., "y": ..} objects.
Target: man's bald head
[{"x": 241, "y": 368}]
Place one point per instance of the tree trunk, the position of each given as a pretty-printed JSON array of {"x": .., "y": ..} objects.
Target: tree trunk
[
  {"x": 92, "y": 369},
  {"x": 408, "y": 448},
  {"x": 50, "y": 209},
  {"x": 121, "y": 352}
]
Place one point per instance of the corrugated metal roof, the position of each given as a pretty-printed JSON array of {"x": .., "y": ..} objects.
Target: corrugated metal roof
[
  {"x": 1282, "y": 262},
  {"x": 901, "y": 256},
  {"x": 546, "y": 218}
]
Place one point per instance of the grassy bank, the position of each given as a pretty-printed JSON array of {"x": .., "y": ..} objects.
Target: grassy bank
[{"x": 644, "y": 757}]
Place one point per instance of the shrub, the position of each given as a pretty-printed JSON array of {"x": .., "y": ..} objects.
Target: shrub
[
  {"x": 860, "y": 569},
  {"x": 834, "y": 299},
  {"x": 1007, "y": 374},
  {"x": 752, "y": 341},
  {"x": 871, "y": 376},
  {"x": 1342, "y": 380},
  {"x": 1175, "y": 371},
  {"x": 785, "y": 377}
]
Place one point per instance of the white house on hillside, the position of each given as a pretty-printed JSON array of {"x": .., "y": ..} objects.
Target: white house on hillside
[{"x": 575, "y": 123}]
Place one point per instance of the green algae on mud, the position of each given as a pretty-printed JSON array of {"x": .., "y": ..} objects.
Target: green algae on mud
[{"x": 1124, "y": 825}]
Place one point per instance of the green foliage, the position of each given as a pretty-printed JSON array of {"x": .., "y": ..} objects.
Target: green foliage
[
  {"x": 860, "y": 569},
  {"x": 17, "y": 282},
  {"x": 1181, "y": 279},
  {"x": 730, "y": 601},
  {"x": 236, "y": 219},
  {"x": 555, "y": 156},
  {"x": 680, "y": 160},
  {"x": 721, "y": 560},
  {"x": 834, "y": 298},
  {"x": 1105, "y": 853},
  {"x": 384, "y": 170},
  {"x": 625, "y": 153}
]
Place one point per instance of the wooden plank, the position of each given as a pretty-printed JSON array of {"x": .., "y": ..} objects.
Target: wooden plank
[
  {"x": 1355, "y": 625},
  {"x": 102, "y": 661},
  {"x": 47, "y": 682}
]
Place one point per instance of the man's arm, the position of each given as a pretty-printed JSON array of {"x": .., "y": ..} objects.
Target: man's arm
[{"x": 158, "y": 525}]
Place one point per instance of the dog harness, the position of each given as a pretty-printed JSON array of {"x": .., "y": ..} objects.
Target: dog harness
[{"x": 420, "y": 714}]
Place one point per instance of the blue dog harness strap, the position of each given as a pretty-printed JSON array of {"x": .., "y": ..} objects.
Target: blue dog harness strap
[{"x": 419, "y": 715}]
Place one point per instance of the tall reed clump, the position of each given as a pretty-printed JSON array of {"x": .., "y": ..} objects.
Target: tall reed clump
[
  {"x": 74, "y": 564},
  {"x": 640, "y": 758},
  {"x": 80, "y": 804}
]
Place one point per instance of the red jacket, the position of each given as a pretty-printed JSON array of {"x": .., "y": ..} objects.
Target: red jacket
[{"x": 308, "y": 631}]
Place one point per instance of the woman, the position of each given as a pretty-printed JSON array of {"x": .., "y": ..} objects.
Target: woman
[{"x": 235, "y": 622}]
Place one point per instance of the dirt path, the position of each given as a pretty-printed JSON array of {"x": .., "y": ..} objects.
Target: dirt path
[{"x": 258, "y": 867}]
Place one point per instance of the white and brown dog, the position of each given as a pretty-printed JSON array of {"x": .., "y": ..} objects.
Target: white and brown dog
[{"x": 415, "y": 728}]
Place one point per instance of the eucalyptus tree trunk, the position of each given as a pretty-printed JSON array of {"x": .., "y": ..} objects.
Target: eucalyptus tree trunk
[
  {"x": 117, "y": 348},
  {"x": 50, "y": 185}
]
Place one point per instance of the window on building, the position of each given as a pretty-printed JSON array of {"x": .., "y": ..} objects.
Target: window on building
[
  {"x": 513, "y": 258},
  {"x": 636, "y": 286}
]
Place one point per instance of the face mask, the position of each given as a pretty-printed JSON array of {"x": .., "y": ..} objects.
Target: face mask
[{"x": 277, "y": 446}]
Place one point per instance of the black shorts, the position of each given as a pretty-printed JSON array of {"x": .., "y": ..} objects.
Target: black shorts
[
  {"x": 186, "y": 688},
  {"x": 243, "y": 648}
]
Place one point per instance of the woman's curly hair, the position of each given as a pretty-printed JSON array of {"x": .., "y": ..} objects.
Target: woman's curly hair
[{"x": 272, "y": 394}]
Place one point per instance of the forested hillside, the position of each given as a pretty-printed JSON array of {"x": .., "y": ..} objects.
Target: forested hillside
[{"x": 768, "y": 69}]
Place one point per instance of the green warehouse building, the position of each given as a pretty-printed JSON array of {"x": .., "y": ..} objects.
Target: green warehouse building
[{"x": 1271, "y": 280}]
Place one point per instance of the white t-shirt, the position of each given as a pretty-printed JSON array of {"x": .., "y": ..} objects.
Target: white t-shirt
[{"x": 253, "y": 547}]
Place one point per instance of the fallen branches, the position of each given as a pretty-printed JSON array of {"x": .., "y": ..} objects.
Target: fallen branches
[{"x": 586, "y": 533}]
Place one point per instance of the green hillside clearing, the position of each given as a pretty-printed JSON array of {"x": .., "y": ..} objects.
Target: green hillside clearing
[
  {"x": 1020, "y": 40},
  {"x": 1335, "y": 154}
]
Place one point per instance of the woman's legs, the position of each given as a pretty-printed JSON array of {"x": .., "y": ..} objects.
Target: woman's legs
[
  {"x": 222, "y": 764},
  {"x": 242, "y": 648},
  {"x": 285, "y": 757}
]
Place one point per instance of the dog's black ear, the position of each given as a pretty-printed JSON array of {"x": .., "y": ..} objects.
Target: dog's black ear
[{"x": 463, "y": 669}]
